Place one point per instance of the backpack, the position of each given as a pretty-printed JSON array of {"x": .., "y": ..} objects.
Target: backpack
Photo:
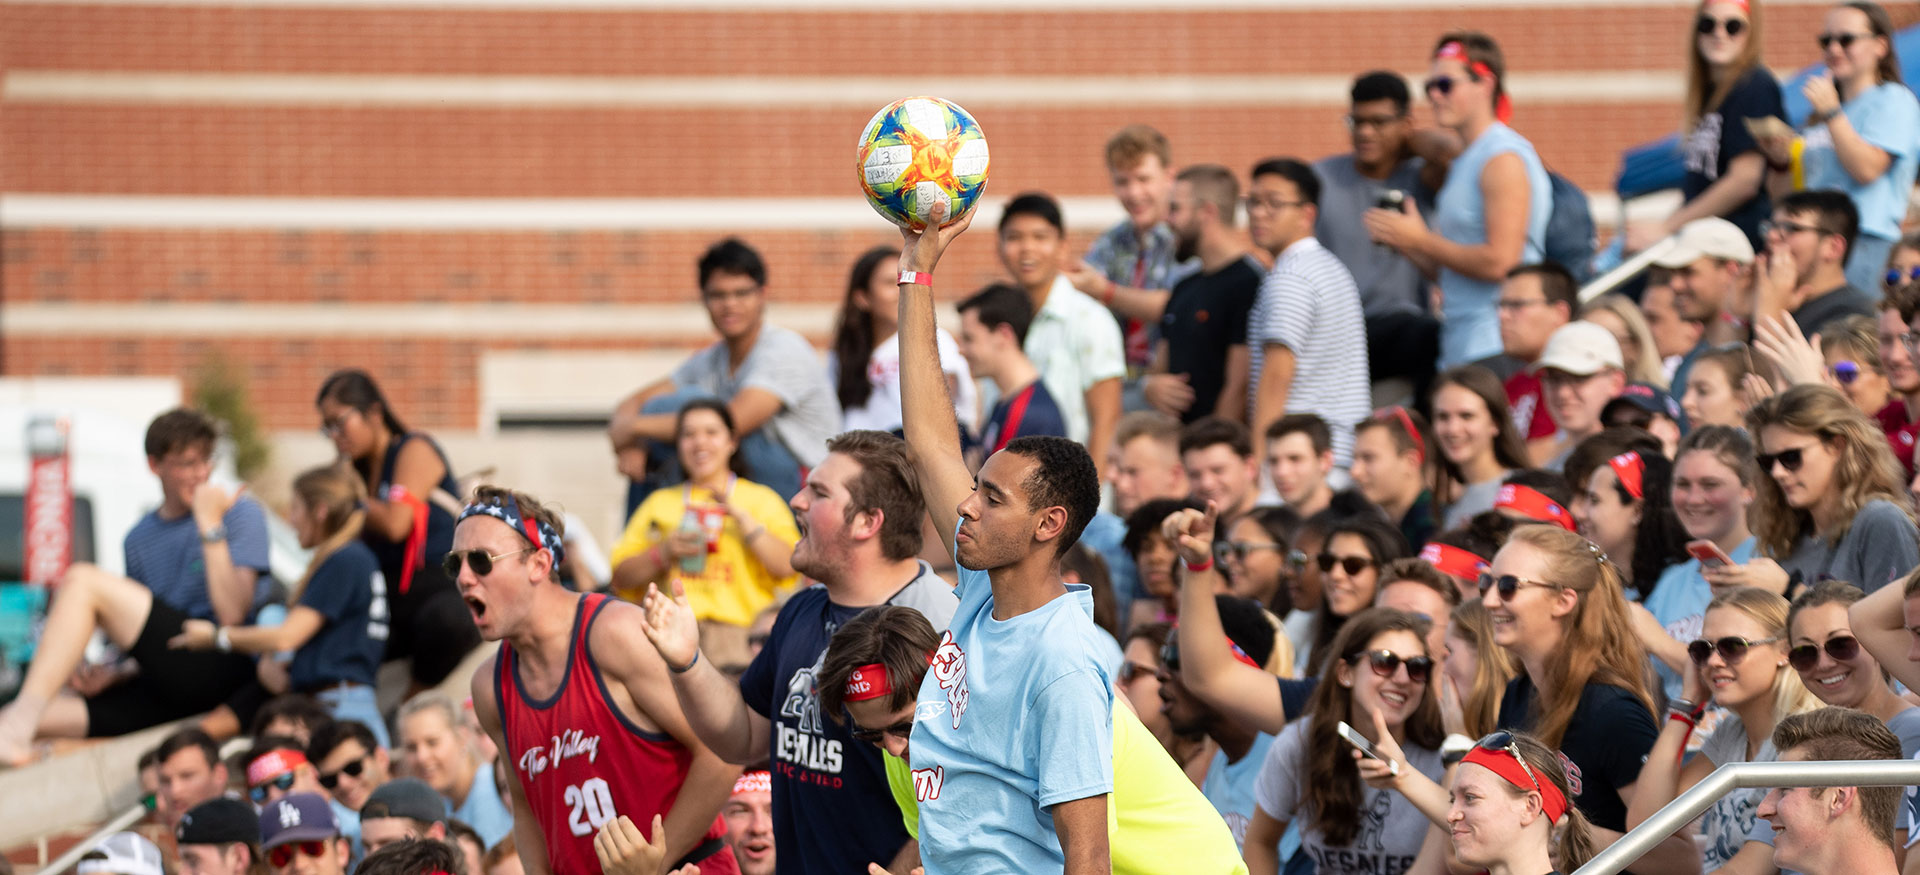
[{"x": 1571, "y": 238}]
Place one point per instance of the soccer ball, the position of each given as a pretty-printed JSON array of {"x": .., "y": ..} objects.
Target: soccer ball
[{"x": 917, "y": 152}]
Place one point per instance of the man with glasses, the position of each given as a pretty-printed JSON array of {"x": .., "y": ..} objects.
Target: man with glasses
[
  {"x": 350, "y": 762},
  {"x": 299, "y": 835},
  {"x": 783, "y": 407},
  {"x": 1243, "y": 748},
  {"x": 1709, "y": 270},
  {"x": 1580, "y": 372},
  {"x": 1804, "y": 270},
  {"x": 1833, "y": 830},
  {"x": 1402, "y": 339},
  {"x": 1306, "y": 334},
  {"x": 1535, "y": 300}
]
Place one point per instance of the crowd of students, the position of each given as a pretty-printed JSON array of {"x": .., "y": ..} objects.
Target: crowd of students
[{"x": 1129, "y": 573}]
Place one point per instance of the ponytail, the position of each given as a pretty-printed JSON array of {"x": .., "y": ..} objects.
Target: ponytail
[
  {"x": 336, "y": 495},
  {"x": 1572, "y": 841}
]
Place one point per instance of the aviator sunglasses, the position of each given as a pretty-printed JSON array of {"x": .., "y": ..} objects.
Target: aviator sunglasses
[
  {"x": 1732, "y": 648},
  {"x": 480, "y": 560},
  {"x": 1843, "y": 648}
]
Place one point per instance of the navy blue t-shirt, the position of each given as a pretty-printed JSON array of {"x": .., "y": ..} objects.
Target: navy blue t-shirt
[
  {"x": 1205, "y": 316},
  {"x": 1030, "y": 411},
  {"x": 1605, "y": 744},
  {"x": 165, "y": 555},
  {"x": 351, "y": 592}
]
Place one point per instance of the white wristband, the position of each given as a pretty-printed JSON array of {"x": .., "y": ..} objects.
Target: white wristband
[{"x": 221, "y": 641}]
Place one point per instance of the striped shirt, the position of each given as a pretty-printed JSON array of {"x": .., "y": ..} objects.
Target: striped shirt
[{"x": 1309, "y": 304}]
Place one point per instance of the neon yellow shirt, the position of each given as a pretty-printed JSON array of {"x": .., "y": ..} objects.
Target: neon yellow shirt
[
  {"x": 734, "y": 586},
  {"x": 1157, "y": 821}
]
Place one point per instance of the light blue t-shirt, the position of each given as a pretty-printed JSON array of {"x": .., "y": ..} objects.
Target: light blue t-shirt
[
  {"x": 1679, "y": 602},
  {"x": 1888, "y": 117},
  {"x": 1472, "y": 328},
  {"x": 1014, "y": 716},
  {"x": 1105, "y": 535},
  {"x": 1229, "y": 786},
  {"x": 482, "y": 809}
]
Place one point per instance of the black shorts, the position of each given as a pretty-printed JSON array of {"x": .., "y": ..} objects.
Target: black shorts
[
  {"x": 431, "y": 624},
  {"x": 172, "y": 684}
]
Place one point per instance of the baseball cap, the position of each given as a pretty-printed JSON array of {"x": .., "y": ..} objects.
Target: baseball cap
[
  {"x": 219, "y": 822},
  {"x": 1712, "y": 237},
  {"x": 123, "y": 853},
  {"x": 298, "y": 817},
  {"x": 1580, "y": 348},
  {"x": 1648, "y": 397},
  {"x": 405, "y": 797}
]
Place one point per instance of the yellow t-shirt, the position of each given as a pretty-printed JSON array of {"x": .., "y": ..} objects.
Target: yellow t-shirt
[
  {"x": 1158, "y": 822},
  {"x": 734, "y": 586}
]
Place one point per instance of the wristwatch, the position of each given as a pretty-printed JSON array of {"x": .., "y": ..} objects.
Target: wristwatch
[{"x": 214, "y": 535}]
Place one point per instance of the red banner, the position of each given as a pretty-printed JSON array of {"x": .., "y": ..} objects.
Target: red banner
[{"x": 49, "y": 514}]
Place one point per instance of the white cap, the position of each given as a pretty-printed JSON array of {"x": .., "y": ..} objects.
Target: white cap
[
  {"x": 123, "y": 853},
  {"x": 1580, "y": 348},
  {"x": 1711, "y": 237}
]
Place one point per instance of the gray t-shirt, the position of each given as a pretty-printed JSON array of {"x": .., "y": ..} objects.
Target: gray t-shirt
[
  {"x": 1727, "y": 825},
  {"x": 1391, "y": 829},
  {"x": 785, "y": 364},
  {"x": 1388, "y": 282},
  {"x": 1477, "y": 498},
  {"x": 1881, "y": 546}
]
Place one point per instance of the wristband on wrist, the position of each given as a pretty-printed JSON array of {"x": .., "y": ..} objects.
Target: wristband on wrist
[
  {"x": 221, "y": 641},
  {"x": 916, "y": 278},
  {"x": 1107, "y": 298},
  {"x": 683, "y": 669},
  {"x": 1204, "y": 566}
]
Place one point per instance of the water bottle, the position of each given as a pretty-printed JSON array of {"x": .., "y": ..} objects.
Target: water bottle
[{"x": 690, "y": 522}]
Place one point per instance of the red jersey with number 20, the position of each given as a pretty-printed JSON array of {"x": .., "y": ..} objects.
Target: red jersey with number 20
[{"x": 582, "y": 763}]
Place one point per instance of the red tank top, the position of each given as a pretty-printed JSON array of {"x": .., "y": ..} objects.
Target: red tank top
[{"x": 582, "y": 763}]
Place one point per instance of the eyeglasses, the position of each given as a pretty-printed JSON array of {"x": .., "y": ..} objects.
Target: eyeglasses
[
  {"x": 1732, "y": 649},
  {"x": 1356, "y": 122},
  {"x": 282, "y": 855},
  {"x": 1385, "y": 662},
  {"x": 336, "y": 426},
  {"x": 1503, "y": 740},
  {"x": 283, "y": 783},
  {"x": 480, "y": 560},
  {"x": 1239, "y": 549},
  {"x": 1845, "y": 372},
  {"x": 1845, "y": 40},
  {"x": 331, "y": 780},
  {"x": 1350, "y": 564},
  {"x": 1706, "y": 24},
  {"x": 1843, "y": 648},
  {"x": 1270, "y": 204},
  {"x": 1508, "y": 584},
  {"x": 1768, "y": 228},
  {"x": 901, "y": 730},
  {"x": 1894, "y": 277},
  {"x": 1788, "y": 459}
]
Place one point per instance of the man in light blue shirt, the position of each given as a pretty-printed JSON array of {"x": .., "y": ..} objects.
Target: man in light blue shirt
[{"x": 1012, "y": 745}]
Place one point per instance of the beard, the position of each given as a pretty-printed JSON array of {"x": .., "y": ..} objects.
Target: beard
[{"x": 1185, "y": 245}]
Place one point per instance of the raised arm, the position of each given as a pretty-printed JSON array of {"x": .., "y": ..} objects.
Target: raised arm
[
  {"x": 712, "y": 703},
  {"x": 1880, "y": 622},
  {"x": 926, "y": 409},
  {"x": 1207, "y": 666}
]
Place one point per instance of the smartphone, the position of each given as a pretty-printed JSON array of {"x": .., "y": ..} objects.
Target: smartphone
[
  {"x": 1394, "y": 199},
  {"x": 1710, "y": 555},
  {"x": 1766, "y": 126},
  {"x": 1360, "y": 743}
]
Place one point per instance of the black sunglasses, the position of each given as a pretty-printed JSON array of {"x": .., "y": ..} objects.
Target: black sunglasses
[
  {"x": 1845, "y": 40},
  {"x": 1503, "y": 740},
  {"x": 1239, "y": 549},
  {"x": 1170, "y": 653},
  {"x": 901, "y": 730},
  {"x": 1706, "y": 24},
  {"x": 480, "y": 560},
  {"x": 1788, "y": 459},
  {"x": 331, "y": 780},
  {"x": 1385, "y": 662},
  {"x": 282, "y": 783},
  {"x": 1508, "y": 584},
  {"x": 1350, "y": 564},
  {"x": 1841, "y": 647},
  {"x": 1732, "y": 649},
  {"x": 1442, "y": 84}
]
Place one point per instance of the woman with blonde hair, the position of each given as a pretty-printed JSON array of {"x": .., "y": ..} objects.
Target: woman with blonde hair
[
  {"x": 1474, "y": 673},
  {"x": 1830, "y": 501},
  {"x": 1557, "y": 606},
  {"x": 1851, "y": 348},
  {"x": 1741, "y": 662},
  {"x": 337, "y": 623},
  {"x": 1622, "y": 318}
]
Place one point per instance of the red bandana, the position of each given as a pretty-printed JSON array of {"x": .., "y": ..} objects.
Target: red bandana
[
  {"x": 753, "y": 782},
  {"x": 1454, "y": 561},
  {"x": 1503, "y": 108},
  {"x": 868, "y": 682},
  {"x": 273, "y": 764},
  {"x": 1531, "y": 504},
  {"x": 1632, "y": 470},
  {"x": 1504, "y": 764}
]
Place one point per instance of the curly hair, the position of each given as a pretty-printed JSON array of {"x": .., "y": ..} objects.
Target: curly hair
[
  {"x": 1063, "y": 476},
  {"x": 1864, "y": 471}
]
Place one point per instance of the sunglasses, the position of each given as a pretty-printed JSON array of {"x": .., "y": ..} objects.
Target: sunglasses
[
  {"x": 1503, "y": 740},
  {"x": 1788, "y": 459},
  {"x": 1895, "y": 277},
  {"x": 1845, "y": 372},
  {"x": 282, "y": 855},
  {"x": 1706, "y": 24},
  {"x": 1385, "y": 662},
  {"x": 480, "y": 560},
  {"x": 1350, "y": 564},
  {"x": 1297, "y": 559},
  {"x": 1508, "y": 584},
  {"x": 901, "y": 730},
  {"x": 282, "y": 783},
  {"x": 1842, "y": 648},
  {"x": 1129, "y": 671},
  {"x": 331, "y": 780},
  {"x": 1732, "y": 649},
  {"x": 1440, "y": 84},
  {"x": 1239, "y": 549},
  {"x": 1845, "y": 40}
]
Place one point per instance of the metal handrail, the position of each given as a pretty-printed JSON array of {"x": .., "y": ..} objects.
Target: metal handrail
[
  {"x": 1627, "y": 270},
  {"x": 1741, "y": 776}
]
